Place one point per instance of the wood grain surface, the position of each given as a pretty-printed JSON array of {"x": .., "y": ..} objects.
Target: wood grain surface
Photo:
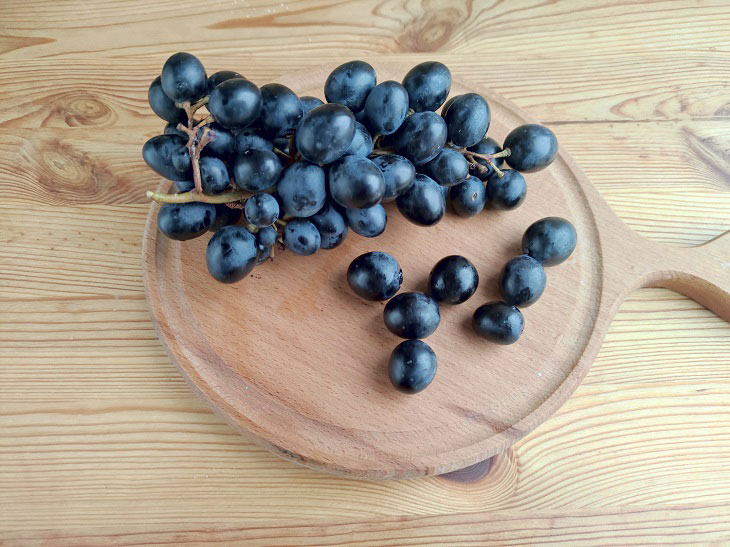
[{"x": 102, "y": 442}]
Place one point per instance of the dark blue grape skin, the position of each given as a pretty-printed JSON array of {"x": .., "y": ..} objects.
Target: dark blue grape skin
[
  {"x": 550, "y": 240},
  {"x": 498, "y": 322},
  {"x": 507, "y": 192},
  {"x": 447, "y": 105},
  {"x": 224, "y": 216},
  {"x": 532, "y": 148},
  {"x": 467, "y": 119},
  {"x": 162, "y": 105},
  {"x": 486, "y": 146},
  {"x": 423, "y": 203},
  {"x": 386, "y": 108},
  {"x": 302, "y": 189},
  {"x": 349, "y": 84},
  {"x": 214, "y": 177},
  {"x": 281, "y": 110},
  {"x": 171, "y": 129},
  {"x": 444, "y": 193},
  {"x": 428, "y": 84},
  {"x": 375, "y": 276},
  {"x": 448, "y": 168},
  {"x": 412, "y": 315},
  {"x": 398, "y": 173},
  {"x": 168, "y": 156},
  {"x": 421, "y": 137},
  {"x": 183, "y": 78},
  {"x": 362, "y": 142},
  {"x": 222, "y": 144},
  {"x": 231, "y": 254},
  {"x": 183, "y": 185},
  {"x": 368, "y": 222},
  {"x": 235, "y": 103},
  {"x": 468, "y": 198},
  {"x": 522, "y": 281},
  {"x": 356, "y": 182},
  {"x": 453, "y": 280},
  {"x": 221, "y": 76},
  {"x": 261, "y": 210},
  {"x": 256, "y": 170},
  {"x": 250, "y": 140},
  {"x": 263, "y": 252},
  {"x": 331, "y": 224},
  {"x": 266, "y": 236},
  {"x": 309, "y": 102},
  {"x": 325, "y": 133},
  {"x": 412, "y": 366},
  {"x": 301, "y": 237},
  {"x": 183, "y": 221}
]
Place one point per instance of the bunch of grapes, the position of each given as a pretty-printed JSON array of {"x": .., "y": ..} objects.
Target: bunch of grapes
[{"x": 265, "y": 168}]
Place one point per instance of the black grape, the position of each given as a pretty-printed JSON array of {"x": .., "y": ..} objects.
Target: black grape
[
  {"x": 368, "y": 222},
  {"x": 183, "y": 78},
  {"x": 412, "y": 315},
  {"x": 448, "y": 168},
  {"x": 522, "y": 281},
  {"x": 447, "y": 105},
  {"x": 421, "y": 137},
  {"x": 162, "y": 105},
  {"x": 222, "y": 144},
  {"x": 301, "y": 237},
  {"x": 250, "y": 140},
  {"x": 398, "y": 173},
  {"x": 362, "y": 142},
  {"x": 550, "y": 240},
  {"x": 183, "y": 221},
  {"x": 356, "y": 182},
  {"x": 267, "y": 236},
  {"x": 281, "y": 110},
  {"x": 412, "y": 366},
  {"x": 349, "y": 84},
  {"x": 261, "y": 210},
  {"x": 423, "y": 203},
  {"x": 221, "y": 76},
  {"x": 302, "y": 189},
  {"x": 171, "y": 129},
  {"x": 498, "y": 322},
  {"x": 428, "y": 84},
  {"x": 231, "y": 254},
  {"x": 467, "y": 119},
  {"x": 325, "y": 133},
  {"x": 183, "y": 185},
  {"x": 386, "y": 108},
  {"x": 235, "y": 103},
  {"x": 168, "y": 156},
  {"x": 214, "y": 177},
  {"x": 262, "y": 253},
  {"x": 507, "y": 192},
  {"x": 256, "y": 170},
  {"x": 309, "y": 102},
  {"x": 375, "y": 276},
  {"x": 533, "y": 147},
  {"x": 487, "y": 146},
  {"x": 468, "y": 198},
  {"x": 453, "y": 280},
  {"x": 225, "y": 216},
  {"x": 331, "y": 225}
]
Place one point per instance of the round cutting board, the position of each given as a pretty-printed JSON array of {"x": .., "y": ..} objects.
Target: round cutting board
[{"x": 293, "y": 358}]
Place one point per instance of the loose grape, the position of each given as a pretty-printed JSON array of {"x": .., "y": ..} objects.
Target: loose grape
[
  {"x": 498, "y": 322},
  {"x": 231, "y": 254},
  {"x": 412, "y": 366},
  {"x": 522, "y": 281},
  {"x": 375, "y": 276},
  {"x": 550, "y": 241}
]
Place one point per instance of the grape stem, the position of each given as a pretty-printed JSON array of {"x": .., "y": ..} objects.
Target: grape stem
[
  {"x": 189, "y": 197},
  {"x": 382, "y": 151},
  {"x": 489, "y": 158}
]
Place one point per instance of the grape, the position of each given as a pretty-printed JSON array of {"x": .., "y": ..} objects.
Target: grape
[
  {"x": 231, "y": 254},
  {"x": 168, "y": 156},
  {"x": 256, "y": 170},
  {"x": 325, "y": 133},
  {"x": 498, "y": 322},
  {"x": 421, "y": 137},
  {"x": 356, "y": 182},
  {"x": 522, "y": 281},
  {"x": 507, "y": 192},
  {"x": 309, "y": 102},
  {"x": 398, "y": 173},
  {"x": 412, "y": 315},
  {"x": 261, "y": 210},
  {"x": 224, "y": 216},
  {"x": 468, "y": 197},
  {"x": 331, "y": 225},
  {"x": 250, "y": 140},
  {"x": 467, "y": 119},
  {"x": 183, "y": 221},
  {"x": 214, "y": 177},
  {"x": 448, "y": 168},
  {"x": 487, "y": 146},
  {"x": 375, "y": 276},
  {"x": 221, "y": 76},
  {"x": 349, "y": 84},
  {"x": 183, "y": 78},
  {"x": 183, "y": 185},
  {"x": 448, "y": 104},
  {"x": 533, "y": 147},
  {"x": 428, "y": 85},
  {"x": 262, "y": 253},
  {"x": 301, "y": 237},
  {"x": 386, "y": 107},
  {"x": 550, "y": 241},
  {"x": 162, "y": 105},
  {"x": 281, "y": 110},
  {"x": 171, "y": 129},
  {"x": 362, "y": 142},
  {"x": 423, "y": 203},
  {"x": 412, "y": 366},
  {"x": 302, "y": 189},
  {"x": 222, "y": 144},
  {"x": 235, "y": 103},
  {"x": 444, "y": 193},
  {"x": 368, "y": 222},
  {"x": 453, "y": 280},
  {"x": 267, "y": 236}
]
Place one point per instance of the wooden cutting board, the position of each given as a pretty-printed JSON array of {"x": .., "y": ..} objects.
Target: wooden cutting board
[{"x": 294, "y": 359}]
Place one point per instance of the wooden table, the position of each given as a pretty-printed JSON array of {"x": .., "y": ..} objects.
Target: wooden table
[{"x": 103, "y": 442}]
